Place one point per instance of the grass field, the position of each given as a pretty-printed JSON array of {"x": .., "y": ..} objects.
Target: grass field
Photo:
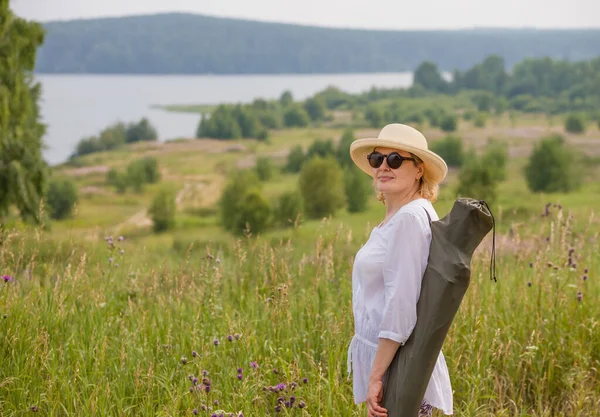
[{"x": 158, "y": 325}]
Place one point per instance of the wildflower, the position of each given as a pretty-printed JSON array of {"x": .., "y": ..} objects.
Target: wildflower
[
  {"x": 116, "y": 265},
  {"x": 293, "y": 385},
  {"x": 206, "y": 381},
  {"x": 218, "y": 260},
  {"x": 191, "y": 377},
  {"x": 5, "y": 316},
  {"x": 195, "y": 381},
  {"x": 230, "y": 338},
  {"x": 236, "y": 336},
  {"x": 305, "y": 380},
  {"x": 288, "y": 404},
  {"x": 216, "y": 342},
  {"x": 579, "y": 296},
  {"x": 194, "y": 353},
  {"x": 35, "y": 408},
  {"x": 6, "y": 278},
  {"x": 281, "y": 387},
  {"x": 585, "y": 277},
  {"x": 216, "y": 402},
  {"x": 183, "y": 360},
  {"x": 241, "y": 414},
  {"x": 531, "y": 264},
  {"x": 239, "y": 370},
  {"x": 292, "y": 399},
  {"x": 121, "y": 238},
  {"x": 277, "y": 408},
  {"x": 275, "y": 371},
  {"x": 301, "y": 404},
  {"x": 192, "y": 390},
  {"x": 254, "y": 365},
  {"x": 585, "y": 271},
  {"x": 529, "y": 284},
  {"x": 122, "y": 251},
  {"x": 280, "y": 400},
  {"x": 110, "y": 260},
  {"x": 240, "y": 377},
  {"x": 204, "y": 372},
  {"x": 203, "y": 407},
  {"x": 195, "y": 411}
]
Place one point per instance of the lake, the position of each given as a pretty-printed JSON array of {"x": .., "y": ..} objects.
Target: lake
[{"x": 76, "y": 106}]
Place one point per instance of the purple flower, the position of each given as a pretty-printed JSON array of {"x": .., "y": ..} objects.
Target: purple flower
[
  {"x": 305, "y": 380},
  {"x": 254, "y": 365},
  {"x": 195, "y": 381},
  {"x": 240, "y": 377},
  {"x": 277, "y": 408},
  {"x": 6, "y": 278},
  {"x": 585, "y": 277},
  {"x": 204, "y": 372},
  {"x": 531, "y": 264},
  {"x": 121, "y": 238},
  {"x": 585, "y": 271},
  {"x": 281, "y": 387},
  {"x": 236, "y": 336},
  {"x": 275, "y": 371},
  {"x": 292, "y": 399},
  {"x": 183, "y": 360},
  {"x": 216, "y": 342},
  {"x": 203, "y": 407},
  {"x": 529, "y": 284},
  {"x": 195, "y": 411},
  {"x": 239, "y": 370},
  {"x": 579, "y": 296},
  {"x": 288, "y": 404},
  {"x": 241, "y": 414},
  {"x": 35, "y": 408},
  {"x": 216, "y": 402},
  {"x": 194, "y": 353},
  {"x": 230, "y": 338},
  {"x": 301, "y": 404},
  {"x": 293, "y": 385}
]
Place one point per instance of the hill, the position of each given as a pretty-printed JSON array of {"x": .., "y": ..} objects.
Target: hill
[{"x": 197, "y": 44}]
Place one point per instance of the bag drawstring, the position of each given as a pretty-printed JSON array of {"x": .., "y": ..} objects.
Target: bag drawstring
[{"x": 493, "y": 254}]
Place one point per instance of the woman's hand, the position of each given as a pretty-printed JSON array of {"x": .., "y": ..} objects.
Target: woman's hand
[{"x": 374, "y": 399}]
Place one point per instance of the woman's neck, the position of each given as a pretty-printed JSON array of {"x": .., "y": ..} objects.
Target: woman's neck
[{"x": 395, "y": 202}]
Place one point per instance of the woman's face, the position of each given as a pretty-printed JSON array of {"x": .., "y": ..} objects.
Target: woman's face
[{"x": 400, "y": 180}]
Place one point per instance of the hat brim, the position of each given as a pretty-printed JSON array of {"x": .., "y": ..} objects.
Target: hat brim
[{"x": 435, "y": 166}]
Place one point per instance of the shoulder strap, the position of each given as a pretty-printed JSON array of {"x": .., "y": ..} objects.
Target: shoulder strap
[{"x": 428, "y": 216}]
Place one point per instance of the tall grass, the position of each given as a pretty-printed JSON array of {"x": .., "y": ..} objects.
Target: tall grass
[{"x": 88, "y": 330}]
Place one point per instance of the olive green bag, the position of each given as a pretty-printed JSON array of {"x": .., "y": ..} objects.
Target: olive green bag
[{"x": 454, "y": 238}]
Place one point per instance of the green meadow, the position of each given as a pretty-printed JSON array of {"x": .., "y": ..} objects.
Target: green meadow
[{"x": 102, "y": 317}]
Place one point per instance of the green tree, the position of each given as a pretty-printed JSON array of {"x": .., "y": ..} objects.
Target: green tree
[
  {"x": 322, "y": 148},
  {"x": 295, "y": 116},
  {"x": 451, "y": 149},
  {"x": 552, "y": 167},
  {"x": 315, "y": 108},
  {"x": 238, "y": 185},
  {"x": 254, "y": 213},
  {"x": 286, "y": 99},
  {"x": 295, "y": 159},
  {"x": 141, "y": 131},
  {"x": 23, "y": 171},
  {"x": 448, "y": 123},
  {"x": 494, "y": 157},
  {"x": 429, "y": 76},
  {"x": 288, "y": 208},
  {"x": 480, "y": 120},
  {"x": 477, "y": 180},
  {"x": 118, "y": 180},
  {"x": 264, "y": 168},
  {"x": 221, "y": 124},
  {"x": 357, "y": 187},
  {"x": 343, "y": 150},
  {"x": 374, "y": 116},
  {"x": 61, "y": 198},
  {"x": 136, "y": 176},
  {"x": 575, "y": 123},
  {"x": 162, "y": 210},
  {"x": 322, "y": 187}
]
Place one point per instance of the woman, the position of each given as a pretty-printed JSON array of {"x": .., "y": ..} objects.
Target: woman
[{"x": 389, "y": 268}]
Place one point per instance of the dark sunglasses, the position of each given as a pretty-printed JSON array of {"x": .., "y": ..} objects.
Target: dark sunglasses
[{"x": 394, "y": 160}]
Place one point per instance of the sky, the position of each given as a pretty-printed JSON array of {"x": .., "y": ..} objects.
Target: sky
[{"x": 371, "y": 14}]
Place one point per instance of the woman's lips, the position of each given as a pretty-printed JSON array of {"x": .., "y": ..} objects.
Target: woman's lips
[{"x": 385, "y": 179}]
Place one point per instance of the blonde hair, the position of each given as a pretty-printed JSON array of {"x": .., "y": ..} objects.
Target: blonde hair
[{"x": 428, "y": 188}]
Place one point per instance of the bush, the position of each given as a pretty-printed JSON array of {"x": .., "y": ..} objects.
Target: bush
[
  {"x": 136, "y": 176},
  {"x": 495, "y": 157},
  {"x": 374, "y": 115},
  {"x": 358, "y": 188},
  {"x": 477, "y": 180},
  {"x": 118, "y": 180},
  {"x": 264, "y": 168},
  {"x": 295, "y": 116},
  {"x": 315, "y": 108},
  {"x": 239, "y": 184},
  {"x": 321, "y": 147},
  {"x": 552, "y": 167},
  {"x": 141, "y": 131},
  {"x": 451, "y": 149},
  {"x": 343, "y": 150},
  {"x": 254, "y": 213},
  {"x": 575, "y": 123},
  {"x": 322, "y": 187},
  {"x": 162, "y": 210},
  {"x": 61, "y": 198},
  {"x": 295, "y": 159},
  {"x": 480, "y": 120},
  {"x": 448, "y": 123},
  {"x": 288, "y": 208}
]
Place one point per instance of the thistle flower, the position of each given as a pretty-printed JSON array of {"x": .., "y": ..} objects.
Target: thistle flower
[
  {"x": 195, "y": 381},
  {"x": 585, "y": 277},
  {"x": 240, "y": 377},
  {"x": 254, "y": 365},
  {"x": 6, "y": 278},
  {"x": 239, "y": 370},
  {"x": 531, "y": 264},
  {"x": 529, "y": 284},
  {"x": 204, "y": 372},
  {"x": 301, "y": 404},
  {"x": 121, "y": 238},
  {"x": 183, "y": 360},
  {"x": 579, "y": 296},
  {"x": 230, "y": 338},
  {"x": 305, "y": 380},
  {"x": 195, "y": 411},
  {"x": 277, "y": 408},
  {"x": 194, "y": 353},
  {"x": 35, "y": 408},
  {"x": 237, "y": 336},
  {"x": 216, "y": 342}
]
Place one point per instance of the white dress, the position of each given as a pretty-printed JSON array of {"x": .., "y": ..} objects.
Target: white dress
[{"x": 386, "y": 283}]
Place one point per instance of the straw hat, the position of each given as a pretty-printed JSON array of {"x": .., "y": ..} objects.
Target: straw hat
[{"x": 401, "y": 137}]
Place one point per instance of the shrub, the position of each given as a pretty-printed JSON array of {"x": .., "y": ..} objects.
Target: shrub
[
  {"x": 264, "y": 168},
  {"x": 315, "y": 108},
  {"x": 118, "y": 180},
  {"x": 495, "y": 157},
  {"x": 552, "y": 167},
  {"x": 358, "y": 188},
  {"x": 136, "y": 176},
  {"x": 477, "y": 180},
  {"x": 230, "y": 205},
  {"x": 321, "y": 147},
  {"x": 295, "y": 116},
  {"x": 295, "y": 159},
  {"x": 254, "y": 213},
  {"x": 480, "y": 120},
  {"x": 61, "y": 198},
  {"x": 288, "y": 208},
  {"x": 575, "y": 123},
  {"x": 343, "y": 150},
  {"x": 322, "y": 187},
  {"x": 451, "y": 149},
  {"x": 141, "y": 131},
  {"x": 448, "y": 123},
  {"x": 162, "y": 210}
]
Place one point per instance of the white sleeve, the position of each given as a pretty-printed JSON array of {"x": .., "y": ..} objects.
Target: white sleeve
[{"x": 403, "y": 268}]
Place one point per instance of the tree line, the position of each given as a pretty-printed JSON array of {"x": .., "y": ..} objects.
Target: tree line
[{"x": 195, "y": 44}]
